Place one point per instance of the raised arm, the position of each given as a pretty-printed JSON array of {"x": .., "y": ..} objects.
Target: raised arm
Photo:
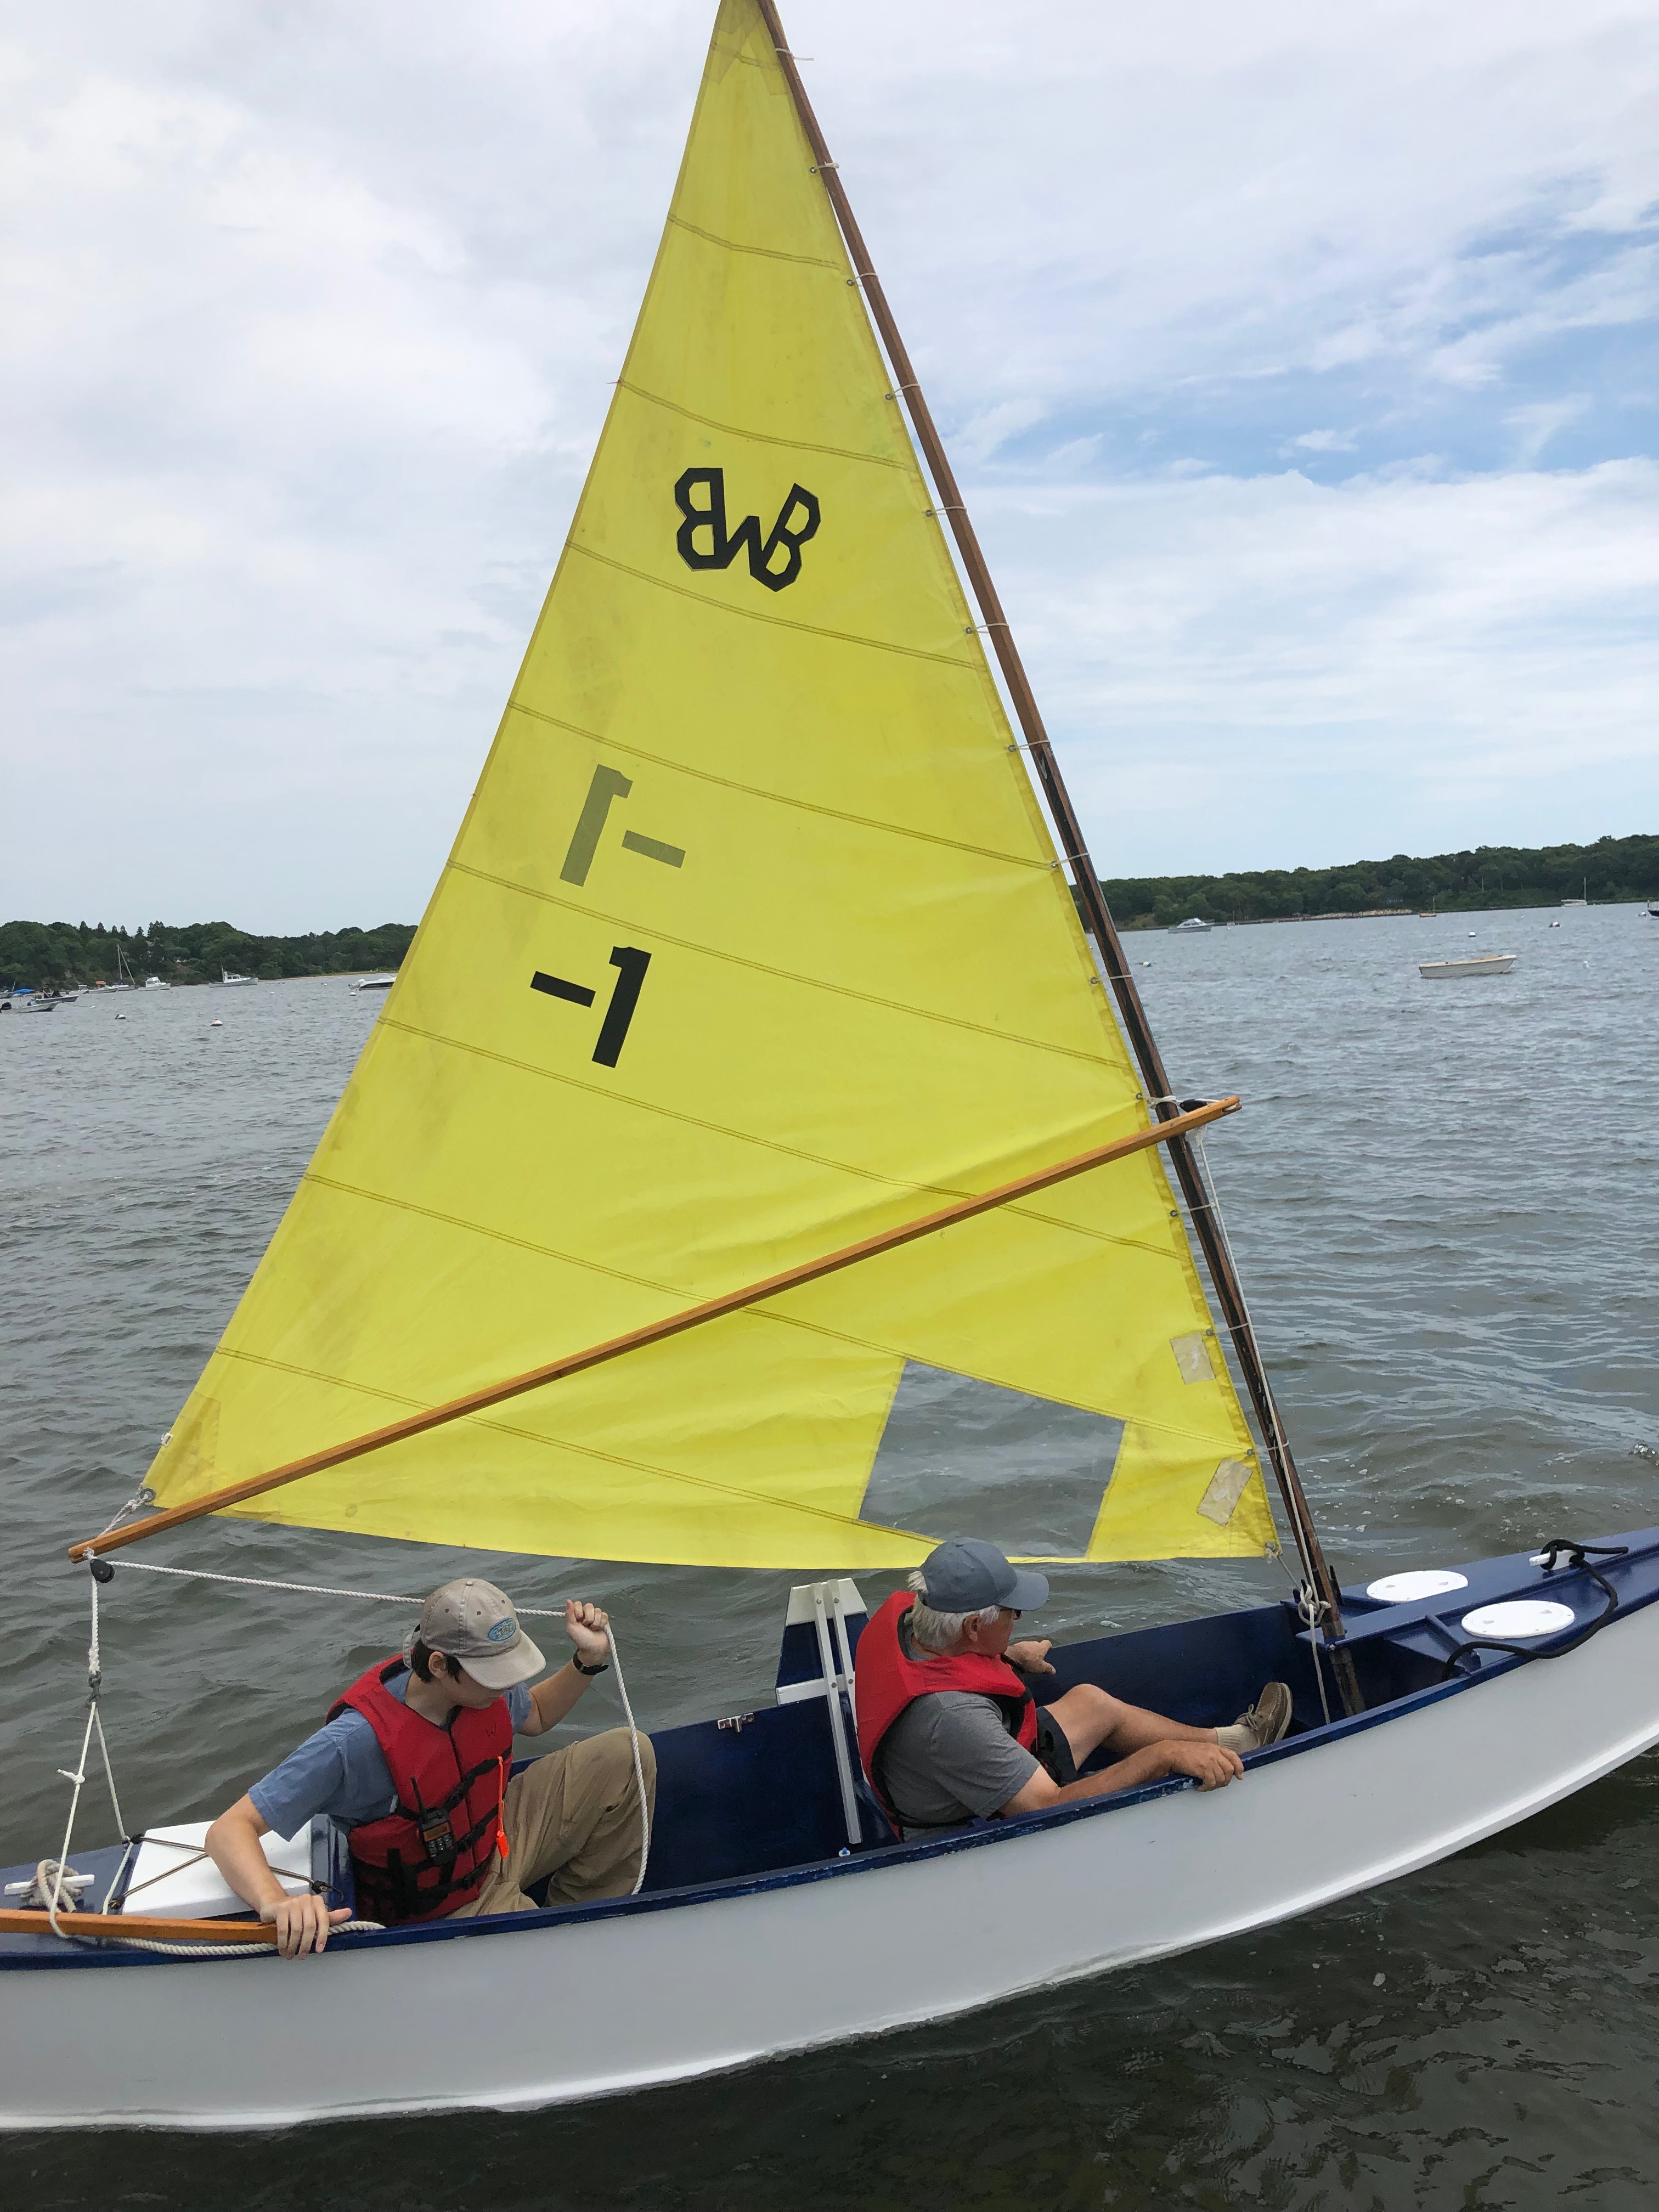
[
  {"x": 233, "y": 1843},
  {"x": 552, "y": 1699}
]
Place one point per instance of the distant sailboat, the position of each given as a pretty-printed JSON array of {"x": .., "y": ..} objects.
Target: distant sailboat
[{"x": 747, "y": 1082}]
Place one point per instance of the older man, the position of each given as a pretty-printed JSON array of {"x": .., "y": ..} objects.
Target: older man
[
  {"x": 949, "y": 1732},
  {"x": 414, "y": 1759}
]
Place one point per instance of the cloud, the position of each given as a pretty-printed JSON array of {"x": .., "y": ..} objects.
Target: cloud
[
  {"x": 312, "y": 318},
  {"x": 1297, "y": 671}
]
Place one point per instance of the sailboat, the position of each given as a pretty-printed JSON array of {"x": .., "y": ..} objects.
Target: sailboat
[{"x": 755, "y": 922}]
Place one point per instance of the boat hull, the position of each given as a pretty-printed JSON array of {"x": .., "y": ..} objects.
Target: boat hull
[{"x": 671, "y": 1988}]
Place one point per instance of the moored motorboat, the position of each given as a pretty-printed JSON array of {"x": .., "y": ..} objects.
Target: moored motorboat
[
  {"x": 1192, "y": 926},
  {"x": 226, "y": 977},
  {"x": 1477, "y": 964},
  {"x": 372, "y": 983}
]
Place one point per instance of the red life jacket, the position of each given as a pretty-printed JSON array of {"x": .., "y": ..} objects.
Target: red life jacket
[
  {"x": 887, "y": 1680},
  {"x": 434, "y": 1849}
]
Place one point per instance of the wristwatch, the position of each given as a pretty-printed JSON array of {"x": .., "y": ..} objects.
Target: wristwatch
[{"x": 576, "y": 1662}]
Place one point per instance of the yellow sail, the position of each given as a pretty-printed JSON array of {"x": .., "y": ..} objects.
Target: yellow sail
[{"x": 753, "y": 943}]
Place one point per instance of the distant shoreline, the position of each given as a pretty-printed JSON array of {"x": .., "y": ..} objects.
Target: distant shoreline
[
  {"x": 1612, "y": 871},
  {"x": 77, "y": 955}
]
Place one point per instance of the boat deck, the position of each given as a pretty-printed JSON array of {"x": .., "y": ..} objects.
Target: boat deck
[{"x": 752, "y": 1800}]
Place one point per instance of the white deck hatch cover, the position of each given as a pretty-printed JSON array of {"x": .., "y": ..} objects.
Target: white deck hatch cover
[
  {"x": 1416, "y": 1582},
  {"x": 1518, "y": 1619}
]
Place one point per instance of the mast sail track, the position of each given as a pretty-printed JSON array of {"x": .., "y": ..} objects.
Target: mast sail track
[{"x": 1074, "y": 848}]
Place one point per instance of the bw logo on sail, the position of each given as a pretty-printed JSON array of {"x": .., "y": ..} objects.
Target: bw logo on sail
[{"x": 704, "y": 541}]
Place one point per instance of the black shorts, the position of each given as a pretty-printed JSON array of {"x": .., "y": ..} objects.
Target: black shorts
[{"x": 1053, "y": 1751}]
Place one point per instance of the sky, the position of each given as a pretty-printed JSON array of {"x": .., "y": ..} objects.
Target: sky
[{"x": 1298, "y": 363}]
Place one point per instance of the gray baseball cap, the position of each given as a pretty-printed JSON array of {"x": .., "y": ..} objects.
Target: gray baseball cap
[
  {"x": 474, "y": 1622},
  {"x": 964, "y": 1575}
]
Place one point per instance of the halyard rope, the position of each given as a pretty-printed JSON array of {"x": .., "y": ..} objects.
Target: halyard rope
[{"x": 639, "y": 1770}]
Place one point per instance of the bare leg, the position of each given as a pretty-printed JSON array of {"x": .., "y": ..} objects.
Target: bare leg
[{"x": 1091, "y": 1717}]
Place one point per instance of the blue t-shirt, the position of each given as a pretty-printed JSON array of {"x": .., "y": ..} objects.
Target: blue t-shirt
[{"x": 341, "y": 1771}]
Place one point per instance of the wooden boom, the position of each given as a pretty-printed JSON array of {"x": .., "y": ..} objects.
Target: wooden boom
[
  {"x": 575, "y": 1362},
  {"x": 156, "y": 1931}
]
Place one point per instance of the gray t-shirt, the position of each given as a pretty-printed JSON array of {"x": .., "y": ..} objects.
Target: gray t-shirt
[
  {"x": 342, "y": 1769},
  {"x": 949, "y": 1759}
]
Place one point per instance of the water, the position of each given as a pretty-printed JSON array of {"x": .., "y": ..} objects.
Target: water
[{"x": 1442, "y": 1195}]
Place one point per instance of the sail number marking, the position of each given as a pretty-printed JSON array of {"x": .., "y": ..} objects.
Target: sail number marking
[
  {"x": 630, "y": 964},
  {"x": 609, "y": 784},
  {"x": 707, "y": 517}
]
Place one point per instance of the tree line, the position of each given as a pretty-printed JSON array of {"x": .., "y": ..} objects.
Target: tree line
[
  {"x": 1611, "y": 870},
  {"x": 61, "y": 954}
]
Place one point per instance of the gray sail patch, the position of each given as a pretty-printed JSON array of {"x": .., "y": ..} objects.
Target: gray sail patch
[{"x": 959, "y": 1457}]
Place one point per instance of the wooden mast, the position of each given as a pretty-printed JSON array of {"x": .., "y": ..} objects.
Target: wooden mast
[{"x": 1091, "y": 897}]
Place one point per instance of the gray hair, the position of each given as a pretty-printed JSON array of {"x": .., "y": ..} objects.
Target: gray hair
[{"x": 938, "y": 1632}]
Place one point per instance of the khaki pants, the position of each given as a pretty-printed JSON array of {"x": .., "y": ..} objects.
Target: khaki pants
[{"x": 573, "y": 1814}]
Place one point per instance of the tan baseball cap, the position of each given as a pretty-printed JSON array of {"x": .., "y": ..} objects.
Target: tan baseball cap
[{"x": 474, "y": 1622}]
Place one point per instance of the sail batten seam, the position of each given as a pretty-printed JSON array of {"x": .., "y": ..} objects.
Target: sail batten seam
[
  {"x": 783, "y": 974},
  {"x": 968, "y": 668},
  {"x": 764, "y": 253},
  {"x": 762, "y": 437},
  {"x": 1038, "y": 866},
  {"x": 680, "y": 1292}
]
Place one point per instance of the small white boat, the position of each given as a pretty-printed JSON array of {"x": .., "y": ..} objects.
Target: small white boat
[
  {"x": 155, "y": 984},
  {"x": 1191, "y": 927},
  {"x": 226, "y": 978},
  {"x": 1478, "y": 963},
  {"x": 374, "y": 982}
]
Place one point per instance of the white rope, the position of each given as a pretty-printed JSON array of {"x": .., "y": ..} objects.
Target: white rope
[
  {"x": 639, "y": 1768},
  {"x": 313, "y": 1589},
  {"x": 221, "y": 1950},
  {"x": 54, "y": 1874}
]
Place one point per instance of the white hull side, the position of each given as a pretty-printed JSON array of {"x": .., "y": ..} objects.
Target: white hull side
[{"x": 598, "y": 2007}]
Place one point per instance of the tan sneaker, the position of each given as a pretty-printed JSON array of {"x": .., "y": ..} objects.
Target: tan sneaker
[{"x": 1268, "y": 1718}]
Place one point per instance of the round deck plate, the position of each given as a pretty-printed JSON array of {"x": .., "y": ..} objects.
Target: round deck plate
[
  {"x": 1520, "y": 1618},
  {"x": 1421, "y": 1582}
]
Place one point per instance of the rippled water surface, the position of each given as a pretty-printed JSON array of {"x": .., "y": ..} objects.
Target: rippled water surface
[{"x": 1443, "y": 1196}]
